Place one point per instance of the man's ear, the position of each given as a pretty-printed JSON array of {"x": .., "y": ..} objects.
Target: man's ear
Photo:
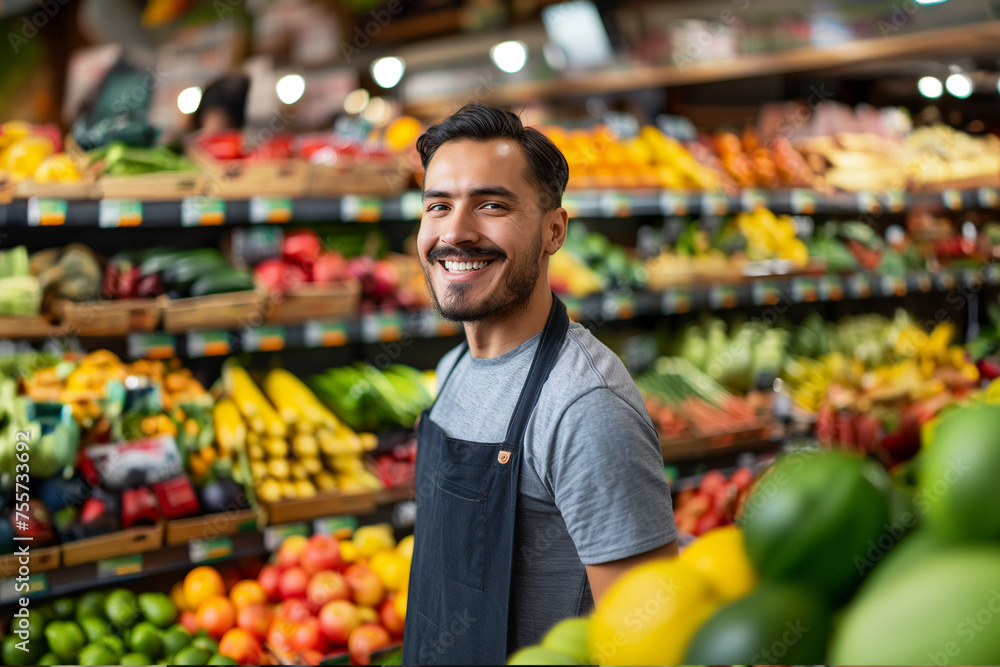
[{"x": 555, "y": 229}]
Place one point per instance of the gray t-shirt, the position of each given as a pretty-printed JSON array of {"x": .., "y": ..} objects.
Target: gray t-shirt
[{"x": 592, "y": 488}]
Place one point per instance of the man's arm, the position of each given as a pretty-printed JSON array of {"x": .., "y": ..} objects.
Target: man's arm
[{"x": 602, "y": 576}]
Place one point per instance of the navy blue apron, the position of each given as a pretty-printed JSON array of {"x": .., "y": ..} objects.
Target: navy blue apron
[{"x": 464, "y": 535}]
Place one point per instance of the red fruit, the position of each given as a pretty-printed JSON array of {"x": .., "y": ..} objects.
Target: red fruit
[
  {"x": 742, "y": 478},
  {"x": 725, "y": 498},
  {"x": 322, "y": 553},
  {"x": 386, "y": 276},
  {"x": 189, "y": 620},
  {"x": 293, "y": 583},
  {"x": 291, "y": 550},
  {"x": 268, "y": 579},
  {"x": 224, "y": 145},
  {"x": 366, "y": 587},
  {"x": 241, "y": 646},
  {"x": 294, "y": 610},
  {"x": 337, "y": 620},
  {"x": 711, "y": 482},
  {"x": 302, "y": 246},
  {"x": 698, "y": 505},
  {"x": 306, "y": 636},
  {"x": 713, "y": 518},
  {"x": 278, "y": 275},
  {"x": 390, "y": 619},
  {"x": 327, "y": 586},
  {"x": 280, "y": 633},
  {"x": 844, "y": 429},
  {"x": 867, "y": 433},
  {"x": 255, "y": 619},
  {"x": 330, "y": 267},
  {"x": 311, "y": 657},
  {"x": 366, "y": 640}
]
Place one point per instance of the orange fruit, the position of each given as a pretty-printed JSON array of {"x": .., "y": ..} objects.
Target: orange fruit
[
  {"x": 201, "y": 583},
  {"x": 247, "y": 592},
  {"x": 216, "y": 615},
  {"x": 241, "y": 646},
  {"x": 177, "y": 596}
]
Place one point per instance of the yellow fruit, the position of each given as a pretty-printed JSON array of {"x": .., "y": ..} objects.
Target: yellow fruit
[
  {"x": 720, "y": 556},
  {"x": 325, "y": 481},
  {"x": 348, "y": 552},
  {"x": 402, "y": 133},
  {"x": 405, "y": 547},
  {"x": 305, "y": 489},
  {"x": 177, "y": 597},
  {"x": 270, "y": 490},
  {"x": 400, "y": 604},
  {"x": 24, "y": 156},
  {"x": 278, "y": 468},
  {"x": 650, "y": 613},
  {"x": 58, "y": 168},
  {"x": 371, "y": 539},
  {"x": 391, "y": 568},
  {"x": 289, "y": 490},
  {"x": 298, "y": 471}
]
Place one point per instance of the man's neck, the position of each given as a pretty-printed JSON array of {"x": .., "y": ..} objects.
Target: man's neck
[{"x": 491, "y": 339}]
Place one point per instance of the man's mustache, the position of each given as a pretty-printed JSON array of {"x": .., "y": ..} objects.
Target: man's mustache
[{"x": 464, "y": 253}]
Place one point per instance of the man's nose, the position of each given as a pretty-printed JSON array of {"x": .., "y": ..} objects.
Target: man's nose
[{"x": 460, "y": 228}]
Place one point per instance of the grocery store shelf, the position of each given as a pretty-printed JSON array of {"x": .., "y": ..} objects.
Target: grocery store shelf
[
  {"x": 110, "y": 213},
  {"x": 684, "y": 449},
  {"x": 962, "y": 40}
]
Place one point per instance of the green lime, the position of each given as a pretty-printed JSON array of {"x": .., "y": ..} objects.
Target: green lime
[
  {"x": 219, "y": 659},
  {"x": 47, "y": 611},
  {"x": 570, "y": 637},
  {"x": 47, "y": 659},
  {"x": 93, "y": 627},
  {"x": 167, "y": 660},
  {"x": 12, "y": 655},
  {"x": 135, "y": 659},
  {"x": 145, "y": 638},
  {"x": 115, "y": 644},
  {"x": 158, "y": 609},
  {"x": 34, "y": 624},
  {"x": 192, "y": 655},
  {"x": 64, "y": 609},
  {"x": 536, "y": 655},
  {"x": 65, "y": 638},
  {"x": 206, "y": 644},
  {"x": 122, "y": 608},
  {"x": 90, "y": 605},
  {"x": 174, "y": 639},
  {"x": 97, "y": 654}
]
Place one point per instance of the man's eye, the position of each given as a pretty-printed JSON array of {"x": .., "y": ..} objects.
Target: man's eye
[
  {"x": 436, "y": 207},
  {"x": 496, "y": 206}
]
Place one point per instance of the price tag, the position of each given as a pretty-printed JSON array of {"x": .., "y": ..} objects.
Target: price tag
[
  {"x": 714, "y": 203},
  {"x": 379, "y": 327},
  {"x": 46, "y": 212},
  {"x": 764, "y": 293},
  {"x": 923, "y": 281},
  {"x": 360, "y": 209},
  {"x": 804, "y": 290},
  {"x": 340, "y": 527},
  {"x": 411, "y": 205},
  {"x": 267, "y": 338},
  {"x": 753, "y": 198},
  {"x": 895, "y": 201},
  {"x": 152, "y": 345},
  {"x": 947, "y": 280},
  {"x": 200, "y": 551},
  {"x": 868, "y": 202},
  {"x": 38, "y": 584},
  {"x": 803, "y": 201},
  {"x": 208, "y": 344},
  {"x": 859, "y": 286},
  {"x": 676, "y": 301},
  {"x": 952, "y": 199},
  {"x": 970, "y": 279},
  {"x": 119, "y": 213},
  {"x": 723, "y": 296},
  {"x": 326, "y": 334},
  {"x": 672, "y": 203},
  {"x": 988, "y": 197},
  {"x": 202, "y": 211},
  {"x": 269, "y": 209},
  {"x": 831, "y": 289},
  {"x": 119, "y": 567},
  {"x": 615, "y": 205},
  {"x": 893, "y": 286},
  {"x": 618, "y": 306},
  {"x": 275, "y": 535},
  {"x": 571, "y": 202}
]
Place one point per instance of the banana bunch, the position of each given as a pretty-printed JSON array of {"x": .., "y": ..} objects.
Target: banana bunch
[
  {"x": 808, "y": 380},
  {"x": 772, "y": 237},
  {"x": 296, "y": 447}
]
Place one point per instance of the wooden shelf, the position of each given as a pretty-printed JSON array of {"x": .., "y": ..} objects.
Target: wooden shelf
[{"x": 959, "y": 40}]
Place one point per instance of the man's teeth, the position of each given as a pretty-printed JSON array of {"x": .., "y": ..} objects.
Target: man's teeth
[{"x": 463, "y": 267}]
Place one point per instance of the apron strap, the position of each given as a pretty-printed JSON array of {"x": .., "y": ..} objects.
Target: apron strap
[{"x": 546, "y": 355}]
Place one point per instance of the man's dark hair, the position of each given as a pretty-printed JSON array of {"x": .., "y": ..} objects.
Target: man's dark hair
[
  {"x": 548, "y": 170},
  {"x": 228, "y": 94}
]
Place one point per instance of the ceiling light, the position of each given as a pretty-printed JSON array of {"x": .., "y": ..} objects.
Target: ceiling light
[
  {"x": 290, "y": 88},
  {"x": 509, "y": 56},
  {"x": 930, "y": 86},
  {"x": 189, "y": 99},
  {"x": 356, "y": 101},
  {"x": 959, "y": 85},
  {"x": 388, "y": 71}
]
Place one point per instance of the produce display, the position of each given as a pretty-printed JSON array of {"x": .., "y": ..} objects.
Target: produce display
[
  {"x": 368, "y": 398},
  {"x": 20, "y": 292},
  {"x": 589, "y": 263},
  {"x": 34, "y": 153}
]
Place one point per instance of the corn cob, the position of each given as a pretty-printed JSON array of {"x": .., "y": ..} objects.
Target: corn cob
[{"x": 230, "y": 430}]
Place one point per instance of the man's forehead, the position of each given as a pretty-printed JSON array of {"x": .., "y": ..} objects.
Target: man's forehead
[{"x": 466, "y": 165}]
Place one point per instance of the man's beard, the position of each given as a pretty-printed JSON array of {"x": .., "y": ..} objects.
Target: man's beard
[{"x": 507, "y": 300}]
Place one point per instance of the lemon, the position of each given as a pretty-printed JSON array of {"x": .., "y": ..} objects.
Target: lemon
[
  {"x": 720, "y": 556},
  {"x": 58, "y": 168},
  {"x": 348, "y": 552},
  {"x": 650, "y": 613},
  {"x": 402, "y": 133},
  {"x": 405, "y": 547},
  {"x": 25, "y": 155}
]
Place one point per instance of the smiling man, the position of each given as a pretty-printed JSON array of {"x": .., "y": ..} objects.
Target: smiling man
[{"x": 539, "y": 473}]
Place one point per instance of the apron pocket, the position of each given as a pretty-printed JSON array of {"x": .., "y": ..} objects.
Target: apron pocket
[{"x": 462, "y": 514}]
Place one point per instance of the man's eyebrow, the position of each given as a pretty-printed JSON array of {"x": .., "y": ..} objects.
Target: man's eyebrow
[{"x": 493, "y": 190}]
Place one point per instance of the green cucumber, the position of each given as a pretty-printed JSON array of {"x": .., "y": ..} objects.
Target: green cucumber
[
  {"x": 186, "y": 270},
  {"x": 160, "y": 261},
  {"x": 223, "y": 280}
]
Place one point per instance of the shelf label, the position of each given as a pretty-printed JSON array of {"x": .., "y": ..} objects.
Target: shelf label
[
  {"x": 672, "y": 203},
  {"x": 803, "y": 201},
  {"x": 38, "y": 584},
  {"x": 970, "y": 278},
  {"x": 868, "y": 202},
  {"x": 360, "y": 209},
  {"x": 764, "y": 293},
  {"x": 152, "y": 345},
  {"x": 923, "y": 282},
  {"x": 119, "y": 567},
  {"x": 723, "y": 296},
  {"x": 270, "y": 209},
  {"x": 119, "y": 213},
  {"x": 714, "y": 203},
  {"x": 895, "y": 201},
  {"x": 618, "y": 306},
  {"x": 893, "y": 285},
  {"x": 804, "y": 290},
  {"x": 947, "y": 280},
  {"x": 988, "y": 197},
  {"x": 952, "y": 199},
  {"x": 325, "y": 334},
  {"x": 411, "y": 205},
  {"x": 381, "y": 327},
  {"x": 676, "y": 301},
  {"x": 202, "y": 211},
  {"x": 831, "y": 289},
  {"x": 266, "y": 338},
  {"x": 200, "y": 551},
  {"x": 275, "y": 535},
  {"x": 752, "y": 198},
  {"x": 340, "y": 527},
  {"x": 208, "y": 343},
  {"x": 615, "y": 205},
  {"x": 46, "y": 212},
  {"x": 859, "y": 286}
]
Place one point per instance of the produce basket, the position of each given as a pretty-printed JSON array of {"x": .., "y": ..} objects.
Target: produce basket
[
  {"x": 182, "y": 531},
  {"x": 43, "y": 559},
  {"x": 384, "y": 175},
  {"x": 167, "y": 185},
  {"x": 312, "y": 301},
  {"x": 698, "y": 445},
  {"x": 972, "y": 183},
  {"x": 244, "y": 178},
  {"x": 108, "y": 318},
  {"x": 28, "y": 326},
  {"x": 216, "y": 311},
  {"x": 328, "y": 503},
  {"x": 122, "y": 543}
]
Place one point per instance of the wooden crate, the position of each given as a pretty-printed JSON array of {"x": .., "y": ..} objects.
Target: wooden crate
[
  {"x": 81, "y": 190},
  {"x": 122, "y": 543},
  {"x": 182, "y": 531},
  {"x": 216, "y": 311},
  {"x": 167, "y": 185},
  {"x": 243, "y": 179},
  {"x": 972, "y": 183},
  {"x": 330, "y": 503},
  {"x": 28, "y": 326},
  {"x": 109, "y": 318},
  {"x": 42, "y": 559},
  {"x": 380, "y": 175},
  {"x": 310, "y": 301}
]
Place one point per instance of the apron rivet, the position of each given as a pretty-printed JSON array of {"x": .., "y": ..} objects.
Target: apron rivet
[{"x": 503, "y": 457}]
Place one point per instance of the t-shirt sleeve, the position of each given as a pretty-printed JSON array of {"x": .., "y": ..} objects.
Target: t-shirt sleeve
[{"x": 606, "y": 476}]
